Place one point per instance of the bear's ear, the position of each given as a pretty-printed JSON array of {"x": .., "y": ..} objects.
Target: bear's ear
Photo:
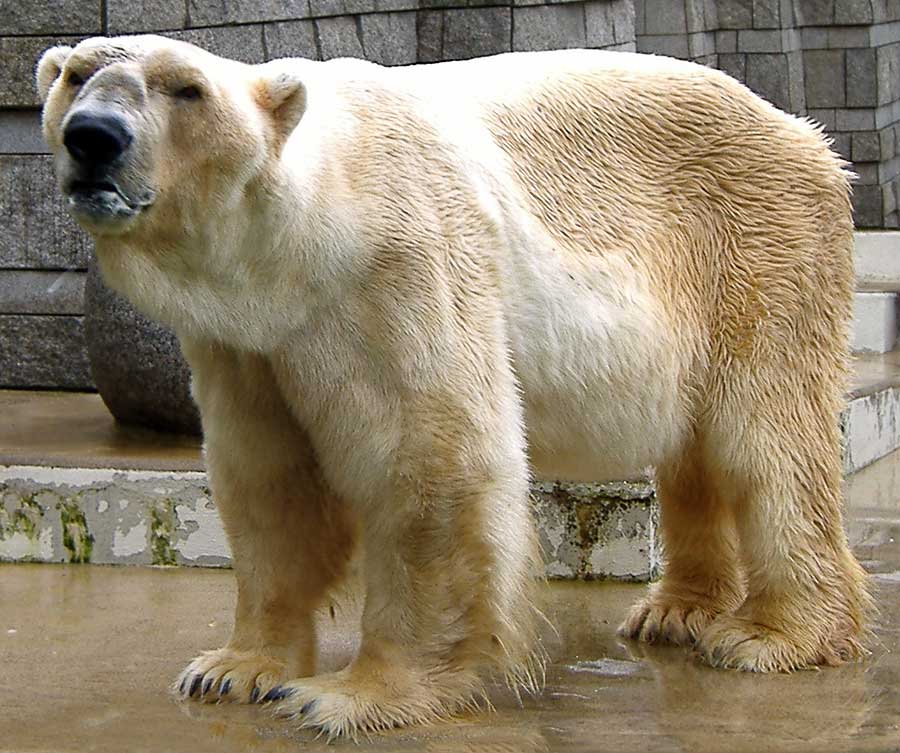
[
  {"x": 49, "y": 67},
  {"x": 282, "y": 96}
]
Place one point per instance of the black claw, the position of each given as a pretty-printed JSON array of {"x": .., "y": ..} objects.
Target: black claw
[
  {"x": 307, "y": 707},
  {"x": 225, "y": 687},
  {"x": 183, "y": 684},
  {"x": 277, "y": 693},
  {"x": 206, "y": 686},
  {"x": 254, "y": 694},
  {"x": 195, "y": 684}
]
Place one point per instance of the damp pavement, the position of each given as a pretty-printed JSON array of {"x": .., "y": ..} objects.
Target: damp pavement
[{"x": 87, "y": 653}]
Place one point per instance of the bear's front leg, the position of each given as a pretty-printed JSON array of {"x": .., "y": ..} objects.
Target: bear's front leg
[
  {"x": 289, "y": 537},
  {"x": 450, "y": 560}
]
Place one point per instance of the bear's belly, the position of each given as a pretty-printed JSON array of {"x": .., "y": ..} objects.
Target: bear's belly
[{"x": 599, "y": 368}]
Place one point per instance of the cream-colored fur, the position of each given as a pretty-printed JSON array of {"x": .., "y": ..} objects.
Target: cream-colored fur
[{"x": 403, "y": 291}]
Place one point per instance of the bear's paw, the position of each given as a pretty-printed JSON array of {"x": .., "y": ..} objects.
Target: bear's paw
[
  {"x": 673, "y": 621},
  {"x": 229, "y": 675},
  {"x": 736, "y": 642}
]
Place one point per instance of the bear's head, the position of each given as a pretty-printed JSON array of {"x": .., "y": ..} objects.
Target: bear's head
[{"x": 155, "y": 138}]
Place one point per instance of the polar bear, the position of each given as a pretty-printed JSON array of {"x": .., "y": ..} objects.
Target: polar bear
[{"x": 403, "y": 292}]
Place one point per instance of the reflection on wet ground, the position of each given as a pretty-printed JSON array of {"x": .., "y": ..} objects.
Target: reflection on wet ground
[{"x": 87, "y": 652}]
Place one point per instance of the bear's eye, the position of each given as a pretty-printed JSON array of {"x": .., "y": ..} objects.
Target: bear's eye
[
  {"x": 189, "y": 92},
  {"x": 73, "y": 79}
]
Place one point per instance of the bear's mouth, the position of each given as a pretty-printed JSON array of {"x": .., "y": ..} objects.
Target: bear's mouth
[{"x": 103, "y": 200}]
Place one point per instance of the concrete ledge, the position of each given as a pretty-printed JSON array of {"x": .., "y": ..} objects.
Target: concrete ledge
[
  {"x": 877, "y": 260},
  {"x": 109, "y": 516},
  {"x": 875, "y": 319}
]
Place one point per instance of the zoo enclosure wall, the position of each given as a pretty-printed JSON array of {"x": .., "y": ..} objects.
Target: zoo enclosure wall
[{"x": 837, "y": 61}]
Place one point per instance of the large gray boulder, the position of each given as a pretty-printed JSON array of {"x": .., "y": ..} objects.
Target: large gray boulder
[{"x": 136, "y": 363}]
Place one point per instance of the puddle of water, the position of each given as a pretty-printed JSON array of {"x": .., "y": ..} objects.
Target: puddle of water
[{"x": 606, "y": 667}]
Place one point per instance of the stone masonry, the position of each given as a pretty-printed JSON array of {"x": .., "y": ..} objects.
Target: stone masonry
[{"x": 837, "y": 61}]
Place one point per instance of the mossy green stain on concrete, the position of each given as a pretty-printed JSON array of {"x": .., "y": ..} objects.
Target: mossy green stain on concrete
[
  {"x": 77, "y": 540},
  {"x": 163, "y": 523}
]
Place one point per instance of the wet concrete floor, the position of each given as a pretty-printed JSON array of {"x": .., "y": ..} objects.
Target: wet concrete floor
[{"x": 87, "y": 654}]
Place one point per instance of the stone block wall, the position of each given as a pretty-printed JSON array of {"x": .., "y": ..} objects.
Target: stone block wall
[
  {"x": 43, "y": 254},
  {"x": 837, "y": 61}
]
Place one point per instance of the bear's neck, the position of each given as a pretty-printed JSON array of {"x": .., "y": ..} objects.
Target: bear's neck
[{"x": 247, "y": 281}]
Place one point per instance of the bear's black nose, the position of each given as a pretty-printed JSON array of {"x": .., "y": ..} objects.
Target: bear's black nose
[{"x": 96, "y": 139}]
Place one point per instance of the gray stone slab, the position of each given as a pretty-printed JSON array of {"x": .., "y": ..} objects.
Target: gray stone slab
[
  {"x": 814, "y": 38},
  {"x": 244, "y": 43},
  {"x": 29, "y": 291},
  {"x": 620, "y": 14},
  {"x": 866, "y": 174},
  {"x": 824, "y": 70},
  {"x": 766, "y": 14},
  {"x": 430, "y": 35},
  {"x": 472, "y": 32},
  {"x": 814, "y": 12},
  {"x": 600, "y": 24},
  {"x": 665, "y": 17},
  {"x": 734, "y": 65},
  {"x": 760, "y": 40},
  {"x": 20, "y": 56},
  {"x": 824, "y": 116},
  {"x": 673, "y": 45},
  {"x": 867, "y": 206},
  {"x": 862, "y": 78},
  {"x": 841, "y": 144},
  {"x": 888, "y": 170},
  {"x": 339, "y": 37},
  {"x": 20, "y": 132},
  {"x": 322, "y": 8},
  {"x": 796, "y": 91},
  {"x": 129, "y": 16},
  {"x": 389, "y": 5},
  {"x": 390, "y": 38},
  {"x": 735, "y": 14},
  {"x": 623, "y": 21},
  {"x": 695, "y": 16},
  {"x": 887, "y": 143},
  {"x": 701, "y": 45},
  {"x": 548, "y": 27},
  {"x": 36, "y": 231},
  {"x": 290, "y": 39},
  {"x": 767, "y": 75},
  {"x": 848, "y": 36},
  {"x": 853, "y": 12},
  {"x": 886, "y": 33},
  {"x": 43, "y": 352},
  {"x": 219, "y": 13},
  {"x": 726, "y": 41},
  {"x": 888, "y": 64},
  {"x": 854, "y": 120},
  {"x": 37, "y": 17}
]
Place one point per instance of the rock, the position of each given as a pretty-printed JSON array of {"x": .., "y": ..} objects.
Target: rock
[{"x": 136, "y": 363}]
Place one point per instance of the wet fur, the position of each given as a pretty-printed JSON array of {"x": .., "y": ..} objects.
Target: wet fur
[{"x": 403, "y": 292}]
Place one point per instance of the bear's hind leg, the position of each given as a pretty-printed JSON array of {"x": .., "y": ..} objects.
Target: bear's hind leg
[
  {"x": 807, "y": 600},
  {"x": 702, "y": 576},
  {"x": 290, "y": 538}
]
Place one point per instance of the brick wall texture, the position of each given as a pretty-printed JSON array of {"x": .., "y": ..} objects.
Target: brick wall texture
[{"x": 837, "y": 61}]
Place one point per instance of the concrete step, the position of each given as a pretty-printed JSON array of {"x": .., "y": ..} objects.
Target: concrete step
[
  {"x": 876, "y": 311},
  {"x": 75, "y": 487},
  {"x": 875, "y": 321},
  {"x": 877, "y": 260}
]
